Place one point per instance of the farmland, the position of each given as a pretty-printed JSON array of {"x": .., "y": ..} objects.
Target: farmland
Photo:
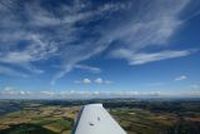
[{"x": 135, "y": 116}]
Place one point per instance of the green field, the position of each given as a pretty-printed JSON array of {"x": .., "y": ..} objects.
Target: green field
[{"x": 136, "y": 117}]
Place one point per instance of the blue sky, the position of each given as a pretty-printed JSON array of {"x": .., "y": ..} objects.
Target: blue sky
[{"x": 57, "y": 48}]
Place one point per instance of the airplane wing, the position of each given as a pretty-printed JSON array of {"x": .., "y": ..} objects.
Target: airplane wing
[{"x": 94, "y": 119}]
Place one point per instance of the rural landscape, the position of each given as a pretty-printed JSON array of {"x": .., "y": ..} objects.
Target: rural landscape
[
  {"x": 136, "y": 116},
  {"x": 135, "y": 61}
]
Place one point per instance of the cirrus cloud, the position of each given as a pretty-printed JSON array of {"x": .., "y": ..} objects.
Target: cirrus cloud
[{"x": 34, "y": 33}]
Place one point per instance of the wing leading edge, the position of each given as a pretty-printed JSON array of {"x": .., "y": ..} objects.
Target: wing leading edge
[{"x": 94, "y": 119}]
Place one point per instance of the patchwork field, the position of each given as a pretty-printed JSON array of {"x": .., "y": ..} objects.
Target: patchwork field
[{"x": 136, "y": 117}]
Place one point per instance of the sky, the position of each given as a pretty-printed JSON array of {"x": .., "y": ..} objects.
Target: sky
[{"x": 76, "y": 48}]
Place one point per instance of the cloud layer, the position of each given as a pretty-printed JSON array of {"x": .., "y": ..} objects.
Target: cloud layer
[{"x": 10, "y": 93}]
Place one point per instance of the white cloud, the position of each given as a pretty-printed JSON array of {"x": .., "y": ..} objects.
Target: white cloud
[
  {"x": 99, "y": 81},
  {"x": 48, "y": 93},
  {"x": 180, "y": 78},
  {"x": 11, "y": 91},
  {"x": 7, "y": 88},
  {"x": 83, "y": 81},
  {"x": 102, "y": 81},
  {"x": 12, "y": 72},
  {"x": 89, "y": 68},
  {"x": 142, "y": 58},
  {"x": 34, "y": 52},
  {"x": 86, "y": 81},
  {"x": 147, "y": 27},
  {"x": 81, "y": 94},
  {"x": 37, "y": 50},
  {"x": 61, "y": 74},
  {"x": 80, "y": 53},
  {"x": 95, "y": 81},
  {"x": 154, "y": 27}
]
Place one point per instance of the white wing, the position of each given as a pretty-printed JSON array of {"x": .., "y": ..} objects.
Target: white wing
[{"x": 94, "y": 119}]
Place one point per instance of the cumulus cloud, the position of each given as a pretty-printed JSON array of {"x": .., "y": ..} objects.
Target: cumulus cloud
[
  {"x": 95, "y": 81},
  {"x": 86, "y": 81},
  {"x": 180, "y": 78},
  {"x": 102, "y": 81},
  {"x": 83, "y": 81},
  {"x": 99, "y": 81},
  {"x": 11, "y": 91}
]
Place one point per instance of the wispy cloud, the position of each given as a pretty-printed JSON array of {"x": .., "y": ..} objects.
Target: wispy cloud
[
  {"x": 34, "y": 52},
  {"x": 33, "y": 33},
  {"x": 142, "y": 58},
  {"x": 12, "y": 72},
  {"x": 180, "y": 78},
  {"x": 153, "y": 28},
  {"x": 70, "y": 67},
  {"x": 89, "y": 68}
]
